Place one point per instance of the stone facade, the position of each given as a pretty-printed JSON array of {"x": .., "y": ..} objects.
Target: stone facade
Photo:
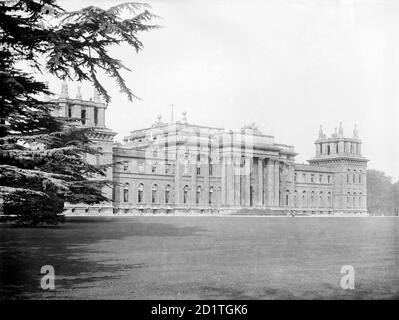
[{"x": 178, "y": 167}]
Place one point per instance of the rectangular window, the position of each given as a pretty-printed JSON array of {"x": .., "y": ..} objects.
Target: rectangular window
[
  {"x": 304, "y": 177},
  {"x": 320, "y": 179},
  {"x": 295, "y": 175},
  {"x": 167, "y": 168},
  {"x": 312, "y": 178},
  {"x": 210, "y": 169},
  {"x": 141, "y": 167},
  {"x": 198, "y": 170},
  {"x": 95, "y": 116},
  {"x": 69, "y": 111},
  {"x": 83, "y": 116},
  {"x": 328, "y": 179}
]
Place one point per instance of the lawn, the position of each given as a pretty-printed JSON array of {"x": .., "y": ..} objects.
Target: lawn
[{"x": 175, "y": 257}]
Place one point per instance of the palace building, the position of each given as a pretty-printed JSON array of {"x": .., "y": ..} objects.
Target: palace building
[{"x": 179, "y": 167}]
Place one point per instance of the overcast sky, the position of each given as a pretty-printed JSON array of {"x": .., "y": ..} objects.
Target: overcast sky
[{"x": 287, "y": 65}]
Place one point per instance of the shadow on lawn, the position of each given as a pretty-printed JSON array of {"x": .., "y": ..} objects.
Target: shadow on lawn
[{"x": 23, "y": 251}]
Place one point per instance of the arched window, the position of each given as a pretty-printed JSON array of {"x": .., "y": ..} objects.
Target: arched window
[
  {"x": 329, "y": 198},
  {"x": 69, "y": 111},
  {"x": 185, "y": 194},
  {"x": 83, "y": 116},
  {"x": 126, "y": 193},
  {"x": 154, "y": 193},
  {"x": 354, "y": 176},
  {"x": 360, "y": 176},
  {"x": 360, "y": 199},
  {"x": 347, "y": 176},
  {"x": 321, "y": 203},
  {"x": 98, "y": 156},
  {"x": 312, "y": 198},
  {"x": 295, "y": 198},
  {"x": 328, "y": 149},
  {"x": 198, "y": 195},
  {"x": 210, "y": 195},
  {"x": 167, "y": 193},
  {"x": 287, "y": 197},
  {"x": 140, "y": 193},
  {"x": 304, "y": 204}
]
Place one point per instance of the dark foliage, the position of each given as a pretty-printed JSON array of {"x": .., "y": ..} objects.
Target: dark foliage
[{"x": 42, "y": 162}]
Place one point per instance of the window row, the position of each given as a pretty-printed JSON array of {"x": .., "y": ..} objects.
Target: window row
[
  {"x": 309, "y": 199},
  {"x": 354, "y": 200},
  {"x": 83, "y": 114},
  {"x": 354, "y": 177},
  {"x": 155, "y": 192},
  {"x": 313, "y": 178},
  {"x": 168, "y": 168}
]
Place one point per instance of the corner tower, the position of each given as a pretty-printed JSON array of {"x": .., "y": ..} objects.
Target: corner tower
[
  {"x": 344, "y": 157},
  {"x": 89, "y": 113}
]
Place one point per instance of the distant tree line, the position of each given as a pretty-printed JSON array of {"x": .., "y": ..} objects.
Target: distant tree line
[{"x": 382, "y": 194}]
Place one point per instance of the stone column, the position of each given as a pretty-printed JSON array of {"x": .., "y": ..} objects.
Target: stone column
[
  {"x": 76, "y": 111},
  {"x": 283, "y": 187},
  {"x": 89, "y": 116},
  {"x": 260, "y": 181},
  {"x": 224, "y": 184},
  {"x": 193, "y": 166},
  {"x": 178, "y": 178},
  {"x": 270, "y": 182},
  {"x": 247, "y": 181},
  {"x": 205, "y": 173},
  {"x": 101, "y": 117},
  {"x": 276, "y": 183},
  {"x": 230, "y": 182},
  {"x": 237, "y": 181}
]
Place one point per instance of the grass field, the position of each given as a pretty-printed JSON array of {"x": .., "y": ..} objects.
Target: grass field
[{"x": 202, "y": 258}]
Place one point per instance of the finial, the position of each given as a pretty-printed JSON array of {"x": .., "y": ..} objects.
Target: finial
[
  {"x": 96, "y": 95},
  {"x": 335, "y": 134},
  {"x": 64, "y": 89},
  {"x": 78, "y": 93},
  {"x": 321, "y": 134},
  {"x": 341, "y": 130},
  {"x": 355, "y": 133},
  {"x": 184, "y": 113}
]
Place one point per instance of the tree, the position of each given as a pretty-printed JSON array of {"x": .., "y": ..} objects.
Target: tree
[
  {"x": 42, "y": 161},
  {"x": 380, "y": 197},
  {"x": 396, "y": 197}
]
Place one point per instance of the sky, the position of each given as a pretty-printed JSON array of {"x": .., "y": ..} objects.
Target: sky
[{"x": 287, "y": 65}]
